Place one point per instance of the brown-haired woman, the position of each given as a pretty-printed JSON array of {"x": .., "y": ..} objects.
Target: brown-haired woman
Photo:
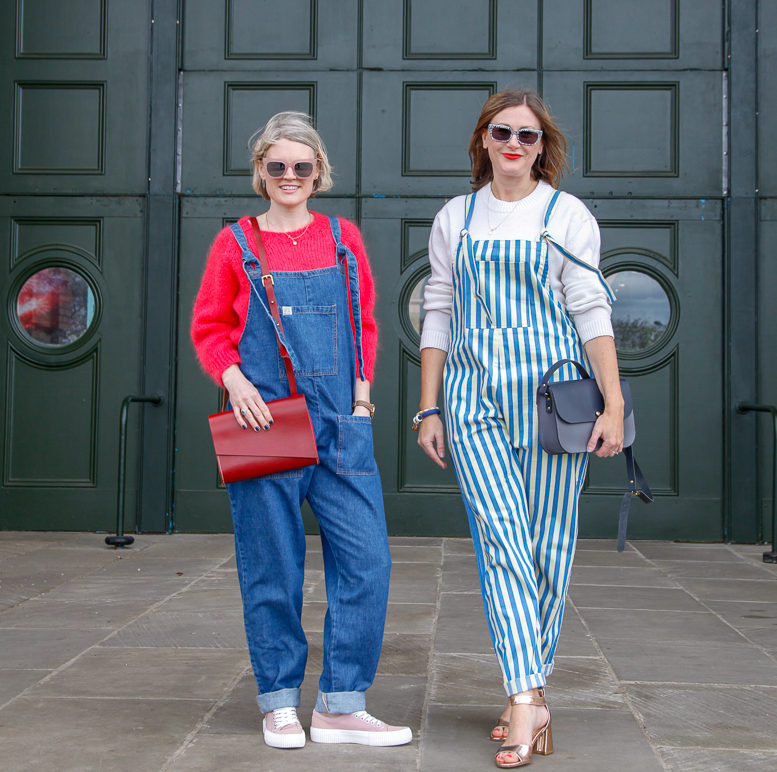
[{"x": 503, "y": 304}]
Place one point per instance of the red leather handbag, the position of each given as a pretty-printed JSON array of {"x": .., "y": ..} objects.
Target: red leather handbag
[{"x": 290, "y": 444}]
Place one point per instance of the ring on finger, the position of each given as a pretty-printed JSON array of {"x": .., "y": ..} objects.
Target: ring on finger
[{"x": 242, "y": 411}]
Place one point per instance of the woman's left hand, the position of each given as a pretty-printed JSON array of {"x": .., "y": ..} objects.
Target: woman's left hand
[
  {"x": 362, "y": 411},
  {"x": 609, "y": 429}
]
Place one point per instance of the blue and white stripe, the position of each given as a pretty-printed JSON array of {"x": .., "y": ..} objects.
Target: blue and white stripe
[{"x": 507, "y": 329}]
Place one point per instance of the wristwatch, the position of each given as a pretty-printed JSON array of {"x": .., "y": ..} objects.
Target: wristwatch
[{"x": 364, "y": 403}]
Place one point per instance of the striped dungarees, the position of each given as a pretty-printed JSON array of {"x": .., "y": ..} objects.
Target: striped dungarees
[{"x": 507, "y": 329}]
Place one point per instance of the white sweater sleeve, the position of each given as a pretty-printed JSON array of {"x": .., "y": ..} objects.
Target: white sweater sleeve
[
  {"x": 585, "y": 298},
  {"x": 438, "y": 294}
]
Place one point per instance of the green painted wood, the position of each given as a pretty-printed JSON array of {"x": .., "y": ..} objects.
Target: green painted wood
[
  {"x": 631, "y": 34},
  {"x": 395, "y": 87},
  {"x": 60, "y": 406},
  {"x": 76, "y": 97}
]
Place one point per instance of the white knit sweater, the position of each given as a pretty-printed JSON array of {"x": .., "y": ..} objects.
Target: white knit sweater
[{"x": 571, "y": 224}]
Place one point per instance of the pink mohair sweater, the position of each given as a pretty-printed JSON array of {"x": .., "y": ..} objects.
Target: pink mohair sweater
[{"x": 221, "y": 306}]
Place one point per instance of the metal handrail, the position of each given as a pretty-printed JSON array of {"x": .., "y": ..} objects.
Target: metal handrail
[
  {"x": 748, "y": 407},
  {"x": 120, "y": 540}
]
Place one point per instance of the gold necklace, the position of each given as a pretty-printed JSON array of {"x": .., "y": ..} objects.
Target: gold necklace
[
  {"x": 292, "y": 239},
  {"x": 491, "y": 228}
]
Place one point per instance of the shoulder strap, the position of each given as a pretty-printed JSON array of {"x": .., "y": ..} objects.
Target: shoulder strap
[
  {"x": 240, "y": 237},
  {"x": 267, "y": 283},
  {"x": 637, "y": 487},
  {"x": 550, "y": 206},
  {"x": 469, "y": 206}
]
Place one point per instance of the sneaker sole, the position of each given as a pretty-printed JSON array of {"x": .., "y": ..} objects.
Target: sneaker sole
[
  {"x": 383, "y": 739},
  {"x": 278, "y": 740}
]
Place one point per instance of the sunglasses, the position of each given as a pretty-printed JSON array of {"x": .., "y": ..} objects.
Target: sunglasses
[
  {"x": 301, "y": 169},
  {"x": 501, "y": 133}
]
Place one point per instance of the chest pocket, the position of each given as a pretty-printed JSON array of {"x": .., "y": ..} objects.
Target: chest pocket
[
  {"x": 312, "y": 333},
  {"x": 505, "y": 284}
]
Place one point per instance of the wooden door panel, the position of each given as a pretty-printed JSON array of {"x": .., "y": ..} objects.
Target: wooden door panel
[
  {"x": 632, "y": 34},
  {"x": 61, "y": 399},
  {"x": 270, "y": 34},
  {"x": 767, "y": 102},
  {"x": 222, "y": 110},
  {"x": 675, "y": 373},
  {"x": 629, "y": 134},
  {"x": 416, "y": 128},
  {"x": 429, "y": 35},
  {"x": 420, "y": 498},
  {"x": 76, "y": 107},
  {"x": 767, "y": 345}
]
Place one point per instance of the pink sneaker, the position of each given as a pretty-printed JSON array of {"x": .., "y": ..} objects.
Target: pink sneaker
[
  {"x": 359, "y": 727},
  {"x": 282, "y": 729}
]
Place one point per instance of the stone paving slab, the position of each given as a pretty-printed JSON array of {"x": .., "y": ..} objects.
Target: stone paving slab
[
  {"x": 717, "y": 760},
  {"x": 51, "y": 735},
  {"x": 694, "y": 662},
  {"x": 736, "y": 717},
  {"x": 667, "y": 659},
  {"x": 633, "y": 598},
  {"x": 189, "y": 674}
]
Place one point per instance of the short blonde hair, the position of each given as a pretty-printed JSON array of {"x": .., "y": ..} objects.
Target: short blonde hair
[{"x": 297, "y": 127}]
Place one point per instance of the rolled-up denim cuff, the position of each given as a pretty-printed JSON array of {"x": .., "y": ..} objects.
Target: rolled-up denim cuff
[
  {"x": 340, "y": 702},
  {"x": 283, "y": 698}
]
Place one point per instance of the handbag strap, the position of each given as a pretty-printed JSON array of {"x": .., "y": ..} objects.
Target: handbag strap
[
  {"x": 561, "y": 362},
  {"x": 268, "y": 284},
  {"x": 637, "y": 487}
]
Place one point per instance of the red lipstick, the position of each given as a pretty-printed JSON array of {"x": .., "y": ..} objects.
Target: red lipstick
[{"x": 512, "y": 156}]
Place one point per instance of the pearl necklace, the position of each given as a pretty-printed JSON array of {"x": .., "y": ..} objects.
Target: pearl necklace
[{"x": 292, "y": 239}]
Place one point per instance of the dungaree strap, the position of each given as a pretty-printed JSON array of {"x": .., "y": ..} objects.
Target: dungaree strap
[
  {"x": 545, "y": 236},
  {"x": 469, "y": 206},
  {"x": 249, "y": 257},
  {"x": 345, "y": 256}
]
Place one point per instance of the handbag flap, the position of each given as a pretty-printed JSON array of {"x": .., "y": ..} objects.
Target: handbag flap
[
  {"x": 291, "y": 435},
  {"x": 581, "y": 401}
]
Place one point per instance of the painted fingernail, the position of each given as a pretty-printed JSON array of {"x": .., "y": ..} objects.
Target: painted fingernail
[
  {"x": 267, "y": 427},
  {"x": 244, "y": 426},
  {"x": 271, "y": 422},
  {"x": 256, "y": 428}
]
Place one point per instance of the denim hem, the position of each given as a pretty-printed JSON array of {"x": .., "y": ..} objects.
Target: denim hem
[
  {"x": 283, "y": 698},
  {"x": 525, "y": 682},
  {"x": 340, "y": 702}
]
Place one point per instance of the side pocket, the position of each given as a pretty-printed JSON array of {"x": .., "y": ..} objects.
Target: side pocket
[{"x": 355, "y": 453}]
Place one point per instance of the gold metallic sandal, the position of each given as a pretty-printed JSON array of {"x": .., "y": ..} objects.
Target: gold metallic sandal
[
  {"x": 541, "y": 743},
  {"x": 500, "y": 724}
]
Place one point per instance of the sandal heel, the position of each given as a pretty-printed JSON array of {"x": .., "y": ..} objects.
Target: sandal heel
[{"x": 543, "y": 745}]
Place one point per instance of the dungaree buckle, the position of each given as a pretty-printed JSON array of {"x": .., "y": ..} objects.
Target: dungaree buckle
[{"x": 268, "y": 276}]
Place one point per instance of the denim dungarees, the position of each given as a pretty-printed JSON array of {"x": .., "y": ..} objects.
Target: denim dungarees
[{"x": 343, "y": 490}]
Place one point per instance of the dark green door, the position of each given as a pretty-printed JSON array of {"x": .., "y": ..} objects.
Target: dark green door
[
  {"x": 119, "y": 169},
  {"x": 395, "y": 90},
  {"x": 73, "y": 177}
]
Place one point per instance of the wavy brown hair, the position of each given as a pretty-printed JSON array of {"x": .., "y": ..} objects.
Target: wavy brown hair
[{"x": 551, "y": 163}]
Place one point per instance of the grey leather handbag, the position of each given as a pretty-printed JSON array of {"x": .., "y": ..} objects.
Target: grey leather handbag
[{"x": 566, "y": 414}]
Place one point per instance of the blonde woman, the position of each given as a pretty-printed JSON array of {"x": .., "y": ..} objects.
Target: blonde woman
[{"x": 324, "y": 286}]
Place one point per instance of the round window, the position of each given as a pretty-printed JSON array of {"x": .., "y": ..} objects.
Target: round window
[
  {"x": 415, "y": 303},
  {"x": 642, "y": 312},
  {"x": 55, "y": 306}
]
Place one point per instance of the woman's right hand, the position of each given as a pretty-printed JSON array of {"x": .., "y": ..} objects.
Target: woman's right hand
[
  {"x": 431, "y": 438},
  {"x": 247, "y": 404}
]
